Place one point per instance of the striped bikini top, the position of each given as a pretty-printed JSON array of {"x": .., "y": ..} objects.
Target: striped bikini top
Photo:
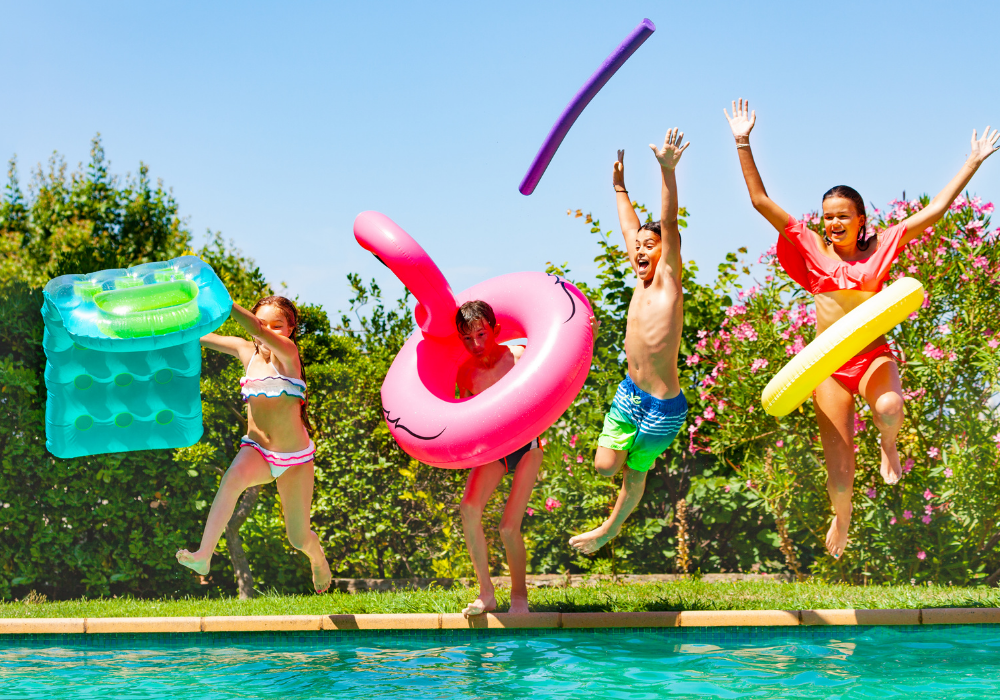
[{"x": 273, "y": 385}]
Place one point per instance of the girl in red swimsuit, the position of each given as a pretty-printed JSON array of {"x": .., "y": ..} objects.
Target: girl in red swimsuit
[{"x": 842, "y": 269}]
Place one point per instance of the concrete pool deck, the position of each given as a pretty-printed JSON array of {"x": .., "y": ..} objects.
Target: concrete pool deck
[{"x": 540, "y": 620}]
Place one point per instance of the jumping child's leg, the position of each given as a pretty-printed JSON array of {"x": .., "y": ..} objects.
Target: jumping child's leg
[
  {"x": 478, "y": 489},
  {"x": 881, "y": 388},
  {"x": 295, "y": 486},
  {"x": 633, "y": 486},
  {"x": 248, "y": 469},
  {"x": 835, "y": 414},
  {"x": 510, "y": 527}
]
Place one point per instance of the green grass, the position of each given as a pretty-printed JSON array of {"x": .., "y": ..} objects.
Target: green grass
[{"x": 606, "y": 597}]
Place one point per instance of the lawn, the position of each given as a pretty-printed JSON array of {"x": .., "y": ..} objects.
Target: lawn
[{"x": 606, "y": 597}]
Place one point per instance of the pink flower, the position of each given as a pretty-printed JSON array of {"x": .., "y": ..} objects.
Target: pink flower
[
  {"x": 530, "y": 511},
  {"x": 779, "y": 443},
  {"x": 565, "y": 457},
  {"x": 933, "y": 453},
  {"x": 908, "y": 465},
  {"x": 892, "y": 520},
  {"x": 709, "y": 413},
  {"x": 871, "y": 493},
  {"x": 572, "y": 440},
  {"x": 921, "y": 555},
  {"x": 907, "y": 514},
  {"x": 926, "y": 519},
  {"x": 859, "y": 424},
  {"x": 913, "y": 316},
  {"x": 912, "y": 269},
  {"x": 745, "y": 331},
  {"x": 933, "y": 352},
  {"x": 980, "y": 261},
  {"x": 993, "y": 343},
  {"x": 692, "y": 360},
  {"x": 796, "y": 347},
  {"x": 736, "y": 310},
  {"x": 928, "y": 509},
  {"x": 579, "y": 459},
  {"x": 758, "y": 364},
  {"x": 952, "y": 357},
  {"x": 702, "y": 334},
  {"x": 726, "y": 488},
  {"x": 749, "y": 484},
  {"x": 947, "y": 473},
  {"x": 551, "y": 504},
  {"x": 928, "y": 495}
]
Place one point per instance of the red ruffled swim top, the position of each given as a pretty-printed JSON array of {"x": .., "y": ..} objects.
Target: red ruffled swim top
[{"x": 805, "y": 262}]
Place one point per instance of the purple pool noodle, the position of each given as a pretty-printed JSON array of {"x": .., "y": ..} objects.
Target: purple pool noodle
[{"x": 576, "y": 106}]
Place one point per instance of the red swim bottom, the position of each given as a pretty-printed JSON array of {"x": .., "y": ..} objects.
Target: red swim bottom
[{"x": 854, "y": 369}]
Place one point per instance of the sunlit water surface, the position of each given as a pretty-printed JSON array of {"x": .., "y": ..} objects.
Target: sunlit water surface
[{"x": 839, "y": 662}]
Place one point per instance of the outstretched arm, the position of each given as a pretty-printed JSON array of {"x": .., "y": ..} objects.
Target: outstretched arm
[
  {"x": 283, "y": 348},
  {"x": 627, "y": 218},
  {"x": 668, "y": 157},
  {"x": 742, "y": 123},
  {"x": 928, "y": 216}
]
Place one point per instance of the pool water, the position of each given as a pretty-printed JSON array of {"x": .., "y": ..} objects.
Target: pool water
[{"x": 803, "y": 662}]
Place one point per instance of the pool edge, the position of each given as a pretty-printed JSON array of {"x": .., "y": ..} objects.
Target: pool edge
[{"x": 543, "y": 620}]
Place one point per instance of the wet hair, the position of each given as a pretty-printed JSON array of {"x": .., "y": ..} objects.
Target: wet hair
[
  {"x": 859, "y": 206},
  {"x": 286, "y": 307},
  {"x": 472, "y": 311},
  {"x": 654, "y": 228}
]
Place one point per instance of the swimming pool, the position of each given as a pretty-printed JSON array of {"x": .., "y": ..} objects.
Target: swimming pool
[{"x": 953, "y": 661}]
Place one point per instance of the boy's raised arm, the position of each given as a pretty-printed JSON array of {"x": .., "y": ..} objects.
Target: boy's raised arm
[
  {"x": 627, "y": 218},
  {"x": 668, "y": 156}
]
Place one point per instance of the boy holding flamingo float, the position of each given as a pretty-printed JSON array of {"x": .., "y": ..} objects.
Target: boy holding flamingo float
[
  {"x": 649, "y": 407},
  {"x": 489, "y": 361}
]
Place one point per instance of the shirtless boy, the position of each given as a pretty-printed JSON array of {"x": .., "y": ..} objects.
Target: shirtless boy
[
  {"x": 649, "y": 407},
  {"x": 489, "y": 361}
]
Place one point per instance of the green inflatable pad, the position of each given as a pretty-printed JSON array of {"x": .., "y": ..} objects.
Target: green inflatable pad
[{"x": 123, "y": 362}]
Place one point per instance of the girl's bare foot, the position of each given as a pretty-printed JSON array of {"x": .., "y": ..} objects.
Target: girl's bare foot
[
  {"x": 518, "y": 603},
  {"x": 482, "y": 604},
  {"x": 891, "y": 469},
  {"x": 322, "y": 578},
  {"x": 590, "y": 542},
  {"x": 836, "y": 536},
  {"x": 196, "y": 561}
]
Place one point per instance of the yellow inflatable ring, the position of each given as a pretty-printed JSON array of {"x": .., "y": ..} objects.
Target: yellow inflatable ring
[{"x": 839, "y": 343}]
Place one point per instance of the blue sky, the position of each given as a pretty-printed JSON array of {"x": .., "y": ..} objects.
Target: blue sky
[{"x": 277, "y": 123}]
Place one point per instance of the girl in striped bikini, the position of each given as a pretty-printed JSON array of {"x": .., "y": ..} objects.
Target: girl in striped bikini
[{"x": 277, "y": 445}]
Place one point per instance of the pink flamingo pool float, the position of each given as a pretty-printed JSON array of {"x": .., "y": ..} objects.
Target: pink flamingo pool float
[{"x": 418, "y": 394}]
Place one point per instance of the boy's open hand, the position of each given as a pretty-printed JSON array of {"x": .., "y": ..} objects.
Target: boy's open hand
[
  {"x": 595, "y": 323},
  {"x": 671, "y": 151},
  {"x": 618, "y": 176},
  {"x": 742, "y": 120}
]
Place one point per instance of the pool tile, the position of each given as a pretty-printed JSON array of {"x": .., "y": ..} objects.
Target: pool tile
[
  {"x": 960, "y": 616},
  {"x": 829, "y": 617},
  {"x": 452, "y": 621},
  {"x": 42, "y": 625},
  {"x": 262, "y": 623},
  {"x": 142, "y": 625},
  {"x": 619, "y": 619},
  {"x": 738, "y": 618},
  {"x": 413, "y": 621}
]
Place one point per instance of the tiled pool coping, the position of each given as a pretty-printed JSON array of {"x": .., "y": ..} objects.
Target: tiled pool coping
[{"x": 539, "y": 621}]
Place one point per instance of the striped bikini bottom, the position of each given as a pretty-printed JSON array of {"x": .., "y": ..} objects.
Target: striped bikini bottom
[{"x": 280, "y": 461}]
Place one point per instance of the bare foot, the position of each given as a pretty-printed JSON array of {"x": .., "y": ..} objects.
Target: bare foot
[
  {"x": 482, "y": 604},
  {"x": 518, "y": 603},
  {"x": 590, "y": 542},
  {"x": 891, "y": 469},
  {"x": 836, "y": 537},
  {"x": 196, "y": 561},
  {"x": 322, "y": 578}
]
